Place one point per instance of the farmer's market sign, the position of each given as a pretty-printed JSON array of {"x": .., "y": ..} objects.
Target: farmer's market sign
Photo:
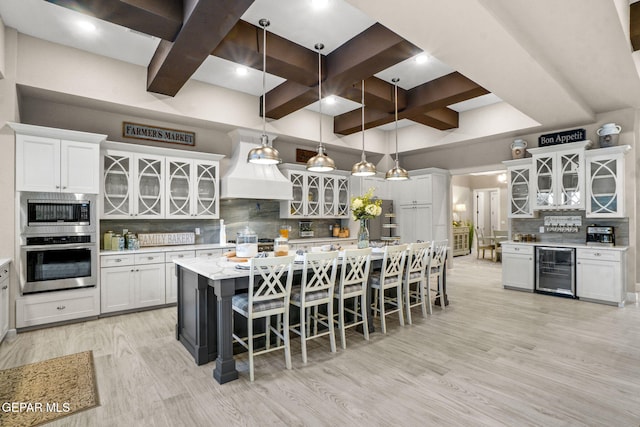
[{"x": 154, "y": 133}]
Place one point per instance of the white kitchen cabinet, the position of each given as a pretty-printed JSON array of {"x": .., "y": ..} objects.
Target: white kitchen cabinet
[
  {"x": 415, "y": 222},
  {"x": 52, "y": 307},
  {"x": 4, "y": 300},
  {"x": 316, "y": 195},
  {"x": 210, "y": 253},
  {"x": 518, "y": 266},
  {"x": 601, "y": 275},
  {"x": 417, "y": 190},
  {"x": 605, "y": 182},
  {"x": 192, "y": 188},
  {"x": 559, "y": 176},
  {"x": 133, "y": 185},
  {"x": 520, "y": 189},
  {"x": 53, "y": 165},
  {"x": 132, "y": 281},
  {"x": 171, "y": 281}
]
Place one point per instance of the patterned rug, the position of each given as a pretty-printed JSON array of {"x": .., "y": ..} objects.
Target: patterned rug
[{"x": 41, "y": 392}]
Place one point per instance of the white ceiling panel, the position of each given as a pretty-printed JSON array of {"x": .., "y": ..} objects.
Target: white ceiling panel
[
  {"x": 220, "y": 72},
  {"x": 412, "y": 73}
]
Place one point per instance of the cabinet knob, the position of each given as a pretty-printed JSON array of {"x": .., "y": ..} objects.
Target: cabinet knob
[
  {"x": 64, "y": 187},
  {"x": 57, "y": 186},
  {"x": 5, "y": 287},
  {"x": 137, "y": 269},
  {"x": 150, "y": 258},
  {"x": 118, "y": 260},
  {"x": 61, "y": 307},
  {"x": 132, "y": 270},
  {"x": 180, "y": 256},
  {"x": 578, "y": 263}
]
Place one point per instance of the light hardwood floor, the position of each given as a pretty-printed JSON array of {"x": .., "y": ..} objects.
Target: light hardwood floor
[{"x": 494, "y": 357}]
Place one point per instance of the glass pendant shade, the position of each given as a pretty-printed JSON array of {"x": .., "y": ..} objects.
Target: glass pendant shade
[
  {"x": 363, "y": 167},
  {"x": 396, "y": 173},
  {"x": 320, "y": 162},
  {"x": 265, "y": 154}
]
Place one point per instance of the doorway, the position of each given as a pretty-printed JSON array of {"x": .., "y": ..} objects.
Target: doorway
[{"x": 486, "y": 209}]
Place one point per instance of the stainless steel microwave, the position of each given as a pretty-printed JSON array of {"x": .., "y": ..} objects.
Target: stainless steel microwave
[{"x": 49, "y": 214}]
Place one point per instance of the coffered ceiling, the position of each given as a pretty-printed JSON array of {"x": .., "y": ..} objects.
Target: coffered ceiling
[
  {"x": 559, "y": 64},
  {"x": 208, "y": 40}
]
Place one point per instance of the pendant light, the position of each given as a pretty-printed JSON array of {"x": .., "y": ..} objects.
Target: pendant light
[
  {"x": 396, "y": 173},
  {"x": 363, "y": 167},
  {"x": 320, "y": 162},
  {"x": 265, "y": 154}
]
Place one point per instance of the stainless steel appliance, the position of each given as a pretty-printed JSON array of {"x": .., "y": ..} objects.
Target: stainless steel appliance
[
  {"x": 46, "y": 214},
  {"x": 600, "y": 236},
  {"x": 556, "y": 270},
  {"x": 54, "y": 263},
  {"x": 58, "y": 241}
]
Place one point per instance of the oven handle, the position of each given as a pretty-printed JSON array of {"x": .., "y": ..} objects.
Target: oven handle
[{"x": 59, "y": 246}]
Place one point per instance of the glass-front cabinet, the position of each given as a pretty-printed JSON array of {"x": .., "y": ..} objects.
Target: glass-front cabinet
[
  {"x": 558, "y": 176},
  {"x": 605, "y": 182},
  {"x": 519, "y": 174},
  {"x": 316, "y": 195},
  {"x": 132, "y": 185},
  {"x": 153, "y": 185},
  {"x": 191, "y": 188}
]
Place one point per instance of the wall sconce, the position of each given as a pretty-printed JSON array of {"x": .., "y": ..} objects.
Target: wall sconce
[
  {"x": 461, "y": 207},
  {"x": 502, "y": 178}
]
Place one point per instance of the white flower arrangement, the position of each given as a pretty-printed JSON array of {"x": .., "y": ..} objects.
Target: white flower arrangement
[{"x": 365, "y": 207}]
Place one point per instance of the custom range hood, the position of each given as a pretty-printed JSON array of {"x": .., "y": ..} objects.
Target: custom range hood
[{"x": 245, "y": 180}]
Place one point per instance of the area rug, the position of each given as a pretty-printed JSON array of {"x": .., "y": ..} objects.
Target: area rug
[{"x": 41, "y": 392}]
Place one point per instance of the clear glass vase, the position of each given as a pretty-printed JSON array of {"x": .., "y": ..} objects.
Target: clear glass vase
[{"x": 363, "y": 235}]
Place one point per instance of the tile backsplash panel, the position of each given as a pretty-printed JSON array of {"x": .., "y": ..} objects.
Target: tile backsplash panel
[
  {"x": 262, "y": 216},
  {"x": 532, "y": 226}
]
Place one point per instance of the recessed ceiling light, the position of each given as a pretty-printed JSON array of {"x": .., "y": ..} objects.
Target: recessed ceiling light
[
  {"x": 330, "y": 99},
  {"x": 320, "y": 4},
  {"x": 422, "y": 58},
  {"x": 242, "y": 71},
  {"x": 87, "y": 26}
]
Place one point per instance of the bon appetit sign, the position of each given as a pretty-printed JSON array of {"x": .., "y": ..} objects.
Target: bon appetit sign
[
  {"x": 154, "y": 133},
  {"x": 563, "y": 137}
]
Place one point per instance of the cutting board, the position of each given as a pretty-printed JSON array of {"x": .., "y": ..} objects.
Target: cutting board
[{"x": 237, "y": 259}]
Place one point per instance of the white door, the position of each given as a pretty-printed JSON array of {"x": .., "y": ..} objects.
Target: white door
[
  {"x": 150, "y": 285},
  {"x": 37, "y": 163},
  {"x": 495, "y": 210},
  {"x": 79, "y": 167},
  {"x": 116, "y": 288}
]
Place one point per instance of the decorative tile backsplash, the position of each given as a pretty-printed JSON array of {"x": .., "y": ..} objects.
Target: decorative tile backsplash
[{"x": 262, "y": 216}]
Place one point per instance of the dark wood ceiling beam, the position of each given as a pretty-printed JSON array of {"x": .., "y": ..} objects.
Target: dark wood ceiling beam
[
  {"x": 378, "y": 95},
  {"x": 375, "y": 49},
  {"x": 159, "y": 18},
  {"x": 205, "y": 25},
  {"x": 441, "y": 119},
  {"x": 421, "y": 100},
  {"x": 634, "y": 25},
  {"x": 243, "y": 45}
]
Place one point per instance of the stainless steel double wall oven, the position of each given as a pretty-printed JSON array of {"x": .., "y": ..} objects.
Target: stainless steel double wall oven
[{"x": 58, "y": 241}]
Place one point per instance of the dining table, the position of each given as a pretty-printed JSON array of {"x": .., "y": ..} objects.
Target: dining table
[{"x": 204, "y": 309}]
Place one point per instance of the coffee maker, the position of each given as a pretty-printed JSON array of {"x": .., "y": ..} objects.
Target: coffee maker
[{"x": 600, "y": 236}]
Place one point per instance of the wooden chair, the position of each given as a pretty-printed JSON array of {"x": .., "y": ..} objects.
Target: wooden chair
[
  {"x": 416, "y": 291},
  {"x": 316, "y": 289},
  {"x": 268, "y": 295},
  {"x": 436, "y": 270},
  {"x": 499, "y": 236},
  {"x": 390, "y": 277},
  {"x": 483, "y": 243},
  {"x": 354, "y": 274}
]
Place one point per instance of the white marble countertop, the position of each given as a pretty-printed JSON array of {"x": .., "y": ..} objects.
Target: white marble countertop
[
  {"x": 203, "y": 246},
  {"x": 4, "y": 261},
  {"x": 321, "y": 239},
  {"x": 222, "y": 268},
  {"x": 566, "y": 245}
]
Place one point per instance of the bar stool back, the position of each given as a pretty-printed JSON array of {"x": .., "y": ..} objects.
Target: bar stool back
[
  {"x": 389, "y": 277},
  {"x": 436, "y": 269},
  {"x": 416, "y": 291}
]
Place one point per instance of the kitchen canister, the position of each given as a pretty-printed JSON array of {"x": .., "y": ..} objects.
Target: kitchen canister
[
  {"x": 608, "y": 134},
  {"x": 518, "y": 148}
]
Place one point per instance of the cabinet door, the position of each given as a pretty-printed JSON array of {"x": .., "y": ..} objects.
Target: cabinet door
[
  {"x": 116, "y": 288},
  {"x": 328, "y": 198},
  {"x": 204, "y": 198},
  {"x": 150, "y": 285},
  {"x": 37, "y": 163},
  {"x": 117, "y": 185},
  {"x": 544, "y": 183},
  {"x": 314, "y": 190},
  {"x": 599, "y": 280},
  {"x": 415, "y": 223},
  {"x": 342, "y": 197},
  {"x": 179, "y": 188},
  {"x": 4, "y": 307},
  {"x": 570, "y": 180},
  {"x": 297, "y": 205},
  {"x": 605, "y": 187},
  {"x": 517, "y": 271},
  {"x": 519, "y": 189},
  {"x": 149, "y": 186},
  {"x": 79, "y": 167},
  {"x": 171, "y": 284}
]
